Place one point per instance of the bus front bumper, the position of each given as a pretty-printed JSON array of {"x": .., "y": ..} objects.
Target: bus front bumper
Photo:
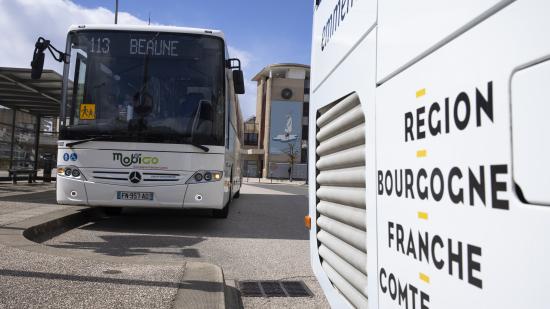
[{"x": 85, "y": 193}]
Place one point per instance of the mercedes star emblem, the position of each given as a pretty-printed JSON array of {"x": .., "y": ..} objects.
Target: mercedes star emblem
[{"x": 135, "y": 177}]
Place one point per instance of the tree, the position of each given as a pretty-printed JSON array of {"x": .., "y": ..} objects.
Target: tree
[{"x": 292, "y": 152}]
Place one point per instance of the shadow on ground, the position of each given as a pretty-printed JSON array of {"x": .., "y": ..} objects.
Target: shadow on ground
[
  {"x": 47, "y": 197},
  {"x": 297, "y": 189},
  {"x": 187, "y": 284},
  {"x": 136, "y": 245},
  {"x": 251, "y": 216}
]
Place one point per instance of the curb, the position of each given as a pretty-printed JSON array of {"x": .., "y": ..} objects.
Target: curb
[
  {"x": 42, "y": 228},
  {"x": 30, "y": 232},
  {"x": 202, "y": 286}
]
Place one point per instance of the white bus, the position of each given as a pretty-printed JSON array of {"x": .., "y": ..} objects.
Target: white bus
[
  {"x": 149, "y": 118},
  {"x": 430, "y": 178}
]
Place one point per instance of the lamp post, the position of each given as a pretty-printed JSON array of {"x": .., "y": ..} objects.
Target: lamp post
[{"x": 116, "y": 12}]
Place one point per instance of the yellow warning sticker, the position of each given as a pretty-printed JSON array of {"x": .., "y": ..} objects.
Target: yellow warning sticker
[{"x": 87, "y": 111}]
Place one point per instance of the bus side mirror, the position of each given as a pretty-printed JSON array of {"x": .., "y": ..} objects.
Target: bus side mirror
[
  {"x": 238, "y": 81},
  {"x": 37, "y": 64}
]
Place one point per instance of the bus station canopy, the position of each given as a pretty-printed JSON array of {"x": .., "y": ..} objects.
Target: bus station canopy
[{"x": 39, "y": 97}]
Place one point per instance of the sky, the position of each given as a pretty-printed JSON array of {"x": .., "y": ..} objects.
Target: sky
[{"x": 258, "y": 32}]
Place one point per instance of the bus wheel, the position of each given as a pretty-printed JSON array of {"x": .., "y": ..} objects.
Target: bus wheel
[
  {"x": 237, "y": 194},
  {"x": 112, "y": 211},
  {"x": 221, "y": 213}
]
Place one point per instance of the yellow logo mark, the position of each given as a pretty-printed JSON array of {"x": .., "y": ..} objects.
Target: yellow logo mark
[
  {"x": 87, "y": 111},
  {"x": 422, "y": 215},
  {"x": 424, "y": 277},
  {"x": 421, "y": 153},
  {"x": 421, "y": 93}
]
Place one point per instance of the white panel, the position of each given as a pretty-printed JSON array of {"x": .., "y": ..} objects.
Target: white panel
[
  {"x": 338, "y": 25},
  {"x": 357, "y": 279},
  {"x": 345, "y": 232},
  {"x": 531, "y": 129},
  {"x": 505, "y": 248},
  {"x": 343, "y": 195},
  {"x": 350, "y": 177},
  {"x": 346, "y": 158},
  {"x": 353, "y": 256},
  {"x": 406, "y": 29},
  {"x": 350, "y": 138},
  {"x": 352, "y": 295},
  {"x": 351, "y": 215},
  {"x": 337, "y": 110}
]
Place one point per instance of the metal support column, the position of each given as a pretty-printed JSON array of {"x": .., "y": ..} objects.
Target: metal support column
[
  {"x": 36, "y": 144},
  {"x": 12, "y": 144},
  {"x": 116, "y": 12}
]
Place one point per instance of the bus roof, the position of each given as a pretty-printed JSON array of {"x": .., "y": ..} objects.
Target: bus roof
[{"x": 172, "y": 29}]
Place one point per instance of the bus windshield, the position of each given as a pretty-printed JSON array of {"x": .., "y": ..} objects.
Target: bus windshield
[{"x": 145, "y": 87}]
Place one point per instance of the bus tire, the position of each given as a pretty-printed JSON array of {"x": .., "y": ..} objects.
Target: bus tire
[
  {"x": 112, "y": 211},
  {"x": 237, "y": 194},
  {"x": 221, "y": 213}
]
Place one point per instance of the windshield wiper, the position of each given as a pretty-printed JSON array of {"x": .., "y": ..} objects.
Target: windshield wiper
[
  {"x": 206, "y": 149},
  {"x": 95, "y": 138}
]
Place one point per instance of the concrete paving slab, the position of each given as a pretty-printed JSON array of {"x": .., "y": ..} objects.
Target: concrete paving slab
[{"x": 35, "y": 280}]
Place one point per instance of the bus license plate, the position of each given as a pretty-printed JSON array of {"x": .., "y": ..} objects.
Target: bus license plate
[{"x": 124, "y": 195}]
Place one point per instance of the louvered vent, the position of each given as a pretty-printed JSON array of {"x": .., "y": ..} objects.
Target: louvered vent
[{"x": 341, "y": 211}]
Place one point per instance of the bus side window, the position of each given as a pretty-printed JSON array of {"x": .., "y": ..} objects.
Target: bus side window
[
  {"x": 79, "y": 90},
  {"x": 228, "y": 109}
]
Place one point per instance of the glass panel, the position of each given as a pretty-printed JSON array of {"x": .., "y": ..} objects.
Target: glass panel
[
  {"x": 25, "y": 120},
  {"x": 5, "y": 146},
  {"x": 47, "y": 152},
  {"x": 48, "y": 124},
  {"x": 251, "y": 139},
  {"x": 23, "y": 150},
  {"x": 6, "y": 115}
]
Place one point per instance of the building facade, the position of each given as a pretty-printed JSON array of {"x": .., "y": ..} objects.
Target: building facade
[{"x": 278, "y": 135}]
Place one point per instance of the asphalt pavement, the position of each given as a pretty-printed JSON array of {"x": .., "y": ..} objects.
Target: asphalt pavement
[
  {"x": 145, "y": 257},
  {"x": 262, "y": 239}
]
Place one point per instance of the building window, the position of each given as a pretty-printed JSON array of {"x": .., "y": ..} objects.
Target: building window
[
  {"x": 305, "y": 109},
  {"x": 251, "y": 139}
]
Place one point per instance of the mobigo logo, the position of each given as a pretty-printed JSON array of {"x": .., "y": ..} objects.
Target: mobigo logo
[{"x": 135, "y": 158}]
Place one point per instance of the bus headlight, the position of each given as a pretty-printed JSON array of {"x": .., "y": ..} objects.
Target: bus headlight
[
  {"x": 205, "y": 176},
  {"x": 198, "y": 177},
  {"x": 216, "y": 176},
  {"x": 70, "y": 171},
  {"x": 76, "y": 173}
]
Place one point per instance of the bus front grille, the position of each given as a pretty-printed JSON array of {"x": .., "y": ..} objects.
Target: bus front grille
[{"x": 147, "y": 177}]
